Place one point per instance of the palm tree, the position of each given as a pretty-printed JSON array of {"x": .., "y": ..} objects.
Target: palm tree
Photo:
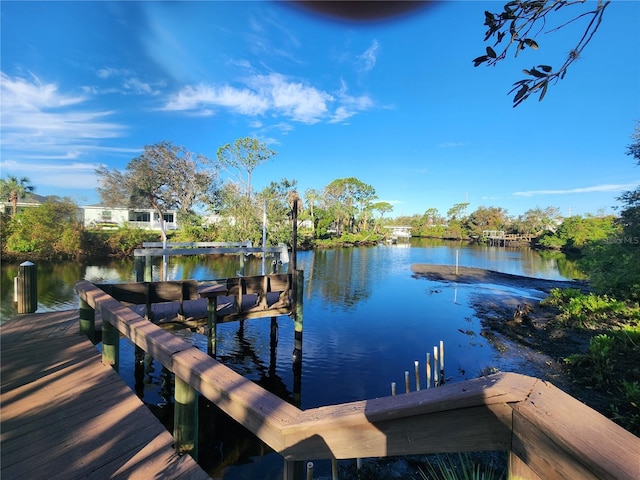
[{"x": 14, "y": 189}]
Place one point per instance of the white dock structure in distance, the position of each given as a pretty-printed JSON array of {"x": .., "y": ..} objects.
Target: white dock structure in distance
[
  {"x": 499, "y": 238},
  {"x": 398, "y": 231}
]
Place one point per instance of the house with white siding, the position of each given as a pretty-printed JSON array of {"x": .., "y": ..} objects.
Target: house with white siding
[{"x": 104, "y": 217}]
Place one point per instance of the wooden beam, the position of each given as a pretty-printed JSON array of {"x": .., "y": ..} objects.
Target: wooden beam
[{"x": 559, "y": 437}]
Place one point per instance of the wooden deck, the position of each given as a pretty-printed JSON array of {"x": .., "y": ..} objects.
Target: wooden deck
[{"x": 65, "y": 415}]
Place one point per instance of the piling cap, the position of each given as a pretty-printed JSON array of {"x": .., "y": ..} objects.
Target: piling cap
[{"x": 27, "y": 264}]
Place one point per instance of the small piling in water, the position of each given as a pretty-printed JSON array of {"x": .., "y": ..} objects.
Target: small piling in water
[{"x": 435, "y": 370}]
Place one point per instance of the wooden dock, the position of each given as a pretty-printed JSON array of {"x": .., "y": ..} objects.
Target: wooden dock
[
  {"x": 65, "y": 415},
  {"x": 500, "y": 238}
]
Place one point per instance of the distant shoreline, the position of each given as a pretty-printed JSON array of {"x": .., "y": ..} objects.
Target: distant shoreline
[{"x": 447, "y": 273}]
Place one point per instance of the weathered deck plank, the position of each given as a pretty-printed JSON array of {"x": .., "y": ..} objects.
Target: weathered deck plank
[{"x": 66, "y": 415}]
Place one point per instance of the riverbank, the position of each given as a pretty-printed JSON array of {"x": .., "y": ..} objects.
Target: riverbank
[
  {"x": 525, "y": 332},
  {"x": 450, "y": 273}
]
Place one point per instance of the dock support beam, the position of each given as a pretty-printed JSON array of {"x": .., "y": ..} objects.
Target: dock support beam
[
  {"x": 87, "y": 321},
  {"x": 110, "y": 345},
  {"x": 185, "y": 425}
]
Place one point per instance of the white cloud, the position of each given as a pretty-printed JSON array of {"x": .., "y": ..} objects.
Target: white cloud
[
  {"x": 37, "y": 120},
  {"x": 239, "y": 100},
  {"x": 350, "y": 105},
  {"x": 450, "y": 144},
  {"x": 262, "y": 94},
  {"x": 71, "y": 176},
  {"x": 297, "y": 101},
  {"x": 368, "y": 59},
  {"x": 595, "y": 188}
]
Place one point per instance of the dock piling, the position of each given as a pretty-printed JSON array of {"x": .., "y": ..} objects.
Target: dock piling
[
  {"x": 185, "y": 425},
  {"x": 27, "y": 287},
  {"x": 110, "y": 345},
  {"x": 87, "y": 321}
]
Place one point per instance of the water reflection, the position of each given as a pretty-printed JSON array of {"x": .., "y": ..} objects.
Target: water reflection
[{"x": 366, "y": 321}]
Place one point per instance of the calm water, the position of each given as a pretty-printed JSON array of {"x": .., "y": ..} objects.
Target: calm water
[{"x": 366, "y": 320}]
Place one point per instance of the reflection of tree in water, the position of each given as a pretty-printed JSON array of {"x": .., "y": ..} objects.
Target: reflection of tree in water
[
  {"x": 210, "y": 267},
  {"x": 340, "y": 276}
]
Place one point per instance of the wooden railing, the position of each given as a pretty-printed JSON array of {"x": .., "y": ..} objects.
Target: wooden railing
[
  {"x": 249, "y": 297},
  {"x": 547, "y": 433}
]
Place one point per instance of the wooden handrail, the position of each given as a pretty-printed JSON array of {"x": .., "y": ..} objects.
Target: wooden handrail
[{"x": 548, "y": 433}]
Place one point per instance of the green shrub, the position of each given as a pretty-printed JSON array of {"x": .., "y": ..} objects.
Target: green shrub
[{"x": 590, "y": 310}]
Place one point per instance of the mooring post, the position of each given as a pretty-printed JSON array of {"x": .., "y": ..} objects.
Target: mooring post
[
  {"x": 211, "y": 293},
  {"x": 436, "y": 382},
  {"x": 87, "y": 321},
  {"x": 428, "y": 370},
  {"x": 334, "y": 469},
  {"x": 185, "y": 423},
  {"x": 27, "y": 287},
  {"x": 110, "y": 345},
  {"x": 417, "y": 372},
  {"x": 293, "y": 470},
  {"x": 309, "y": 470},
  {"x": 442, "y": 361}
]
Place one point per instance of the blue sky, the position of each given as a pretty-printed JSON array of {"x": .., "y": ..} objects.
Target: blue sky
[{"x": 395, "y": 103}]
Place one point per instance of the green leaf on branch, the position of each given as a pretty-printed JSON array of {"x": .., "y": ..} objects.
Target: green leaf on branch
[{"x": 479, "y": 60}]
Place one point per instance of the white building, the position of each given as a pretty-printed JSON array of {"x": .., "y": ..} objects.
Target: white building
[{"x": 101, "y": 216}]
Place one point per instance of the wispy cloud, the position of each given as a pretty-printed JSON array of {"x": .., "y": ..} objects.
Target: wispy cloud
[
  {"x": 39, "y": 120},
  {"x": 368, "y": 59},
  {"x": 349, "y": 105},
  {"x": 609, "y": 187},
  {"x": 72, "y": 175},
  {"x": 450, "y": 144}
]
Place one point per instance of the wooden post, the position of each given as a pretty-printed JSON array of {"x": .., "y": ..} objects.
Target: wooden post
[
  {"x": 456, "y": 262},
  {"x": 110, "y": 345},
  {"x": 441, "y": 361},
  {"x": 406, "y": 382},
  {"x": 87, "y": 321},
  {"x": 185, "y": 424},
  {"x": 428, "y": 370},
  {"x": 293, "y": 470},
  {"x": 27, "y": 287},
  {"x": 294, "y": 239},
  {"x": 335, "y": 475},
  {"x": 309, "y": 470},
  {"x": 435, "y": 367},
  {"x": 393, "y": 389},
  {"x": 417, "y": 368}
]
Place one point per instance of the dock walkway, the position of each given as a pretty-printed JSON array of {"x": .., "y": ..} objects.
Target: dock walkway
[{"x": 65, "y": 415}]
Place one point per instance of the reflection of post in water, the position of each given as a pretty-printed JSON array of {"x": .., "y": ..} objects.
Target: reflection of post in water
[
  {"x": 298, "y": 278},
  {"x": 241, "y": 267},
  {"x": 138, "y": 371},
  {"x": 273, "y": 346}
]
